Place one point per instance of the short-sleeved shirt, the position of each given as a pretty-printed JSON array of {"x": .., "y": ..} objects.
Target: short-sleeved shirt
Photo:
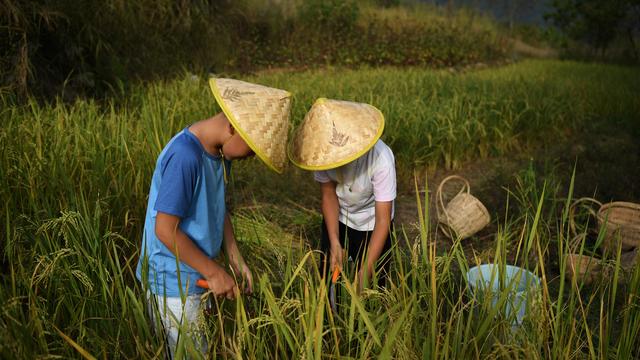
[
  {"x": 362, "y": 182},
  {"x": 187, "y": 182}
]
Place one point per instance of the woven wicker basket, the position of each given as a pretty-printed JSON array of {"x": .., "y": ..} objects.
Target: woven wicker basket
[
  {"x": 588, "y": 269},
  {"x": 619, "y": 220},
  {"x": 583, "y": 268},
  {"x": 464, "y": 215}
]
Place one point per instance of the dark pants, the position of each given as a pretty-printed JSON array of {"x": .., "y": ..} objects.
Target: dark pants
[{"x": 356, "y": 243}]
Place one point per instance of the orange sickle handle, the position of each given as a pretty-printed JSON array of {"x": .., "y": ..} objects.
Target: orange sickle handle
[
  {"x": 336, "y": 274},
  {"x": 202, "y": 283}
]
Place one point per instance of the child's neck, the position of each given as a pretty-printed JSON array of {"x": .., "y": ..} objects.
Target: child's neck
[{"x": 212, "y": 133}]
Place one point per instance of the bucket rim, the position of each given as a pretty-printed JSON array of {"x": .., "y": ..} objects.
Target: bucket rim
[{"x": 512, "y": 269}]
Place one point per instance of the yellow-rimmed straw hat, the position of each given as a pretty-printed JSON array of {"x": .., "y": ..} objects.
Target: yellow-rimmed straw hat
[
  {"x": 260, "y": 115},
  {"x": 334, "y": 133}
]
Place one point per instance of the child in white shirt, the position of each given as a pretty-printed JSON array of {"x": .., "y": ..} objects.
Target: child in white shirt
[{"x": 340, "y": 141}]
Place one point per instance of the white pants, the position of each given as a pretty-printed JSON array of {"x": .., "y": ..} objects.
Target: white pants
[{"x": 176, "y": 320}]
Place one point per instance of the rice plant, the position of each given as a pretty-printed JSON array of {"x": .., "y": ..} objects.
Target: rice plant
[{"x": 73, "y": 186}]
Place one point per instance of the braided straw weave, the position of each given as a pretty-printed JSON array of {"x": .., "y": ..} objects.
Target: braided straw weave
[
  {"x": 583, "y": 268},
  {"x": 619, "y": 220},
  {"x": 464, "y": 215},
  {"x": 334, "y": 133},
  {"x": 260, "y": 114},
  {"x": 588, "y": 269}
]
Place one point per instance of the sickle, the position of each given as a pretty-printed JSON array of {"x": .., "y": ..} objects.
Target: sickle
[{"x": 332, "y": 290}]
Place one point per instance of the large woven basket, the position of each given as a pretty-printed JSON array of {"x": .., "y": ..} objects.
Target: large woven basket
[
  {"x": 464, "y": 215},
  {"x": 620, "y": 222},
  {"x": 588, "y": 269},
  {"x": 585, "y": 269}
]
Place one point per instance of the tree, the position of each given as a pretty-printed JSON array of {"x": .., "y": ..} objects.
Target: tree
[{"x": 594, "y": 22}]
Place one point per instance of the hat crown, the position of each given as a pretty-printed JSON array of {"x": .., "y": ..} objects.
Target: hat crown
[
  {"x": 260, "y": 114},
  {"x": 335, "y": 132}
]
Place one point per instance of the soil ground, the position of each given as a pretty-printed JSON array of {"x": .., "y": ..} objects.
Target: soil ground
[{"x": 607, "y": 165}]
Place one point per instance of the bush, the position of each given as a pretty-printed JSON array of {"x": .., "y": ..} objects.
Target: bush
[
  {"x": 94, "y": 48},
  {"x": 95, "y": 45}
]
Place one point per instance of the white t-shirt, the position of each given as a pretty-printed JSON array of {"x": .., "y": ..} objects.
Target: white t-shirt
[{"x": 362, "y": 182}]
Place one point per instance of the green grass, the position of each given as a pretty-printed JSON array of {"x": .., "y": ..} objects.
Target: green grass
[{"x": 74, "y": 180}]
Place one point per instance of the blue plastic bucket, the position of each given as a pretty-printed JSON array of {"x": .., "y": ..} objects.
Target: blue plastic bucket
[{"x": 520, "y": 284}]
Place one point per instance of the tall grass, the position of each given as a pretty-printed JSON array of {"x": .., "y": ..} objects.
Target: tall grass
[{"x": 73, "y": 186}]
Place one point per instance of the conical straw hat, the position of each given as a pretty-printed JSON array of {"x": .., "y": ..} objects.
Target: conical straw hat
[
  {"x": 334, "y": 133},
  {"x": 260, "y": 114}
]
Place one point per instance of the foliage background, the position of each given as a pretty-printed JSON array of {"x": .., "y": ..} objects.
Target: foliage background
[{"x": 95, "y": 47}]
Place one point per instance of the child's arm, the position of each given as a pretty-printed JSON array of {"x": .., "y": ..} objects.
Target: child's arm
[
  {"x": 330, "y": 209},
  {"x": 186, "y": 251},
  {"x": 235, "y": 257},
  {"x": 378, "y": 239}
]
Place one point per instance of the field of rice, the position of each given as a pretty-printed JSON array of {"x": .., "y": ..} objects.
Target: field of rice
[{"x": 74, "y": 179}]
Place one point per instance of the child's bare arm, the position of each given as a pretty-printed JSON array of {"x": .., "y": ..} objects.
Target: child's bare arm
[
  {"x": 186, "y": 251},
  {"x": 378, "y": 237},
  {"x": 235, "y": 257},
  {"x": 330, "y": 210}
]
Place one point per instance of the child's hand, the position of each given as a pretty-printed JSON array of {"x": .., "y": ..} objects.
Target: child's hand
[
  {"x": 222, "y": 284},
  {"x": 336, "y": 256},
  {"x": 248, "y": 279}
]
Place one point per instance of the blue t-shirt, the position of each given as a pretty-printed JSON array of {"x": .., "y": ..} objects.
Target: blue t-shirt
[{"x": 187, "y": 182}]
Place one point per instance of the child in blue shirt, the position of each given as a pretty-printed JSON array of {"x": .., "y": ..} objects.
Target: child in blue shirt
[{"x": 187, "y": 224}]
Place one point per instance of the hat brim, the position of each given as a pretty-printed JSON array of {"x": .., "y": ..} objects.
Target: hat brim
[
  {"x": 236, "y": 125},
  {"x": 343, "y": 161}
]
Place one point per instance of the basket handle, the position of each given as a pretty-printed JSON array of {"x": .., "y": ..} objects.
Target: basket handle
[
  {"x": 575, "y": 243},
  {"x": 572, "y": 207},
  {"x": 440, "y": 208}
]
